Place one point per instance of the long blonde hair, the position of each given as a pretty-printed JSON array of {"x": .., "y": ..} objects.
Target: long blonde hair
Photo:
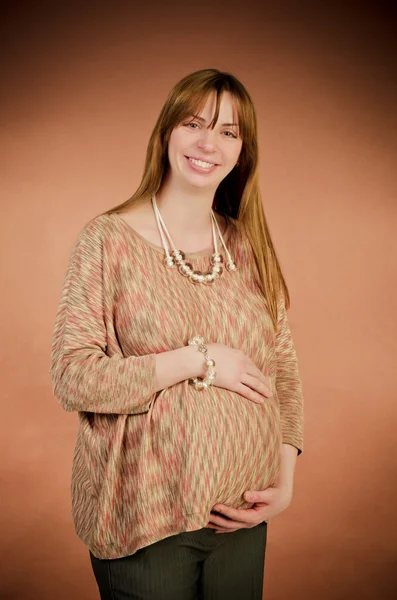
[{"x": 238, "y": 195}]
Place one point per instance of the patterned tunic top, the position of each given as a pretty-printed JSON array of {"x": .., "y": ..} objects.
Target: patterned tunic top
[{"x": 148, "y": 464}]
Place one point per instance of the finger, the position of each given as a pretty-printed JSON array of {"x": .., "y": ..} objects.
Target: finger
[
  {"x": 218, "y": 529},
  {"x": 260, "y": 384},
  {"x": 220, "y": 522},
  {"x": 250, "y": 394},
  {"x": 263, "y": 376},
  {"x": 259, "y": 496},
  {"x": 257, "y": 385},
  {"x": 238, "y": 515},
  {"x": 225, "y": 531}
]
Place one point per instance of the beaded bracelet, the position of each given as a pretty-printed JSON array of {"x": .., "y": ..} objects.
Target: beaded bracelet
[{"x": 199, "y": 382}]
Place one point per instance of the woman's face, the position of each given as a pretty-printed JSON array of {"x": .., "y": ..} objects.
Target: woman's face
[{"x": 217, "y": 150}]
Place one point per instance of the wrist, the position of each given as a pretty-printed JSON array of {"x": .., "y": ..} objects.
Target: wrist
[
  {"x": 202, "y": 383},
  {"x": 195, "y": 362}
]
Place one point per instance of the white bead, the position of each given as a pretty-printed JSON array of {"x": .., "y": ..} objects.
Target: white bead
[
  {"x": 169, "y": 262},
  {"x": 216, "y": 259},
  {"x": 178, "y": 257}
]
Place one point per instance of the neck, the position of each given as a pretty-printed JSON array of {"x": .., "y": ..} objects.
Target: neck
[{"x": 187, "y": 208}]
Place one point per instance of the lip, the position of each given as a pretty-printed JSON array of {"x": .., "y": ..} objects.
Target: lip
[{"x": 202, "y": 159}]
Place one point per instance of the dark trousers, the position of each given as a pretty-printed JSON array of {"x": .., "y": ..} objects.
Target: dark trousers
[{"x": 195, "y": 565}]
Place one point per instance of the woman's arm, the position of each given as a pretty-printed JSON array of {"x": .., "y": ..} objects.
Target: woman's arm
[
  {"x": 285, "y": 477},
  {"x": 84, "y": 376},
  {"x": 288, "y": 384},
  {"x": 177, "y": 365}
]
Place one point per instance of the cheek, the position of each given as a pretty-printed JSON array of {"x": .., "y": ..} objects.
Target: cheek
[
  {"x": 232, "y": 150},
  {"x": 176, "y": 141},
  {"x": 232, "y": 156},
  {"x": 238, "y": 150}
]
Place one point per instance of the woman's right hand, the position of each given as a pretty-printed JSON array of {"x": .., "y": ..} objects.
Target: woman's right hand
[{"x": 235, "y": 371}]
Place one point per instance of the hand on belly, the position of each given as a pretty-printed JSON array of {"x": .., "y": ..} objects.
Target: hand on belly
[{"x": 267, "y": 504}]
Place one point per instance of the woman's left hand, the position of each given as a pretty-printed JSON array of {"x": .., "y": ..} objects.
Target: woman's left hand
[{"x": 267, "y": 504}]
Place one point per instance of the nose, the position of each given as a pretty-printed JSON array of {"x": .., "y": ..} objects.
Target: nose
[{"x": 206, "y": 139}]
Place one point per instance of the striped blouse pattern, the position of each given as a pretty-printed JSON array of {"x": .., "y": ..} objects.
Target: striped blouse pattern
[{"x": 149, "y": 465}]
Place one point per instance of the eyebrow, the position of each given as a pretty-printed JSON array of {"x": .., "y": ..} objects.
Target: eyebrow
[{"x": 223, "y": 124}]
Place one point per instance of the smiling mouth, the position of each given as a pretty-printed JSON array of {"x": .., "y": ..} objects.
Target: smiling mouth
[{"x": 202, "y": 163}]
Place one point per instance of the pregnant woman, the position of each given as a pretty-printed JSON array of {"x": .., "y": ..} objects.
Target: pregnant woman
[{"x": 172, "y": 342}]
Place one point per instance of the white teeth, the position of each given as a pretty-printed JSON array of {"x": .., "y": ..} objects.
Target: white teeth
[{"x": 201, "y": 163}]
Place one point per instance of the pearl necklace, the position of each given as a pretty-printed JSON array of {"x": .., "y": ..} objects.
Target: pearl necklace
[{"x": 178, "y": 257}]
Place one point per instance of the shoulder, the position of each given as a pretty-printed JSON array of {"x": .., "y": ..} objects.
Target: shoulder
[
  {"x": 96, "y": 241},
  {"x": 97, "y": 225},
  {"x": 97, "y": 230}
]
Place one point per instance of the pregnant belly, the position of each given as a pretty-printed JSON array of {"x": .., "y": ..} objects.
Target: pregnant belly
[{"x": 215, "y": 445}]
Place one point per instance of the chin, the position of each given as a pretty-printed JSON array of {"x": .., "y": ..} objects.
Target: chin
[
  {"x": 204, "y": 181},
  {"x": 202, "y": 184}
]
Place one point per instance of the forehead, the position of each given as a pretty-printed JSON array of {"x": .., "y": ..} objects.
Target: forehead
[{"x": 228, "y": 109}]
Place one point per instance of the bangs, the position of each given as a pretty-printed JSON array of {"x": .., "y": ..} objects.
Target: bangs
[{"x": 193, "y": 104}]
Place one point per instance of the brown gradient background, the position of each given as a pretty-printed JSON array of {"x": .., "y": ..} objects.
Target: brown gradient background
[{"x": 81, "y": 90}]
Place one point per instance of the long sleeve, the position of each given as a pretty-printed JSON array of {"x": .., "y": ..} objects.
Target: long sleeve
[
  {"x": 84, "y": 376},
  {"x": 138, "y": 478},
  {"x": 288, "y": 383}
]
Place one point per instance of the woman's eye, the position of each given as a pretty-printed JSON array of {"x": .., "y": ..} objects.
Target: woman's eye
[{"x": 194, "y": 125}]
